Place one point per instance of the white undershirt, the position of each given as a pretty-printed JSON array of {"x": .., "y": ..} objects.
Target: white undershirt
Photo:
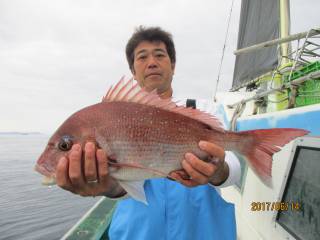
[{"x": 230, "y": 158}]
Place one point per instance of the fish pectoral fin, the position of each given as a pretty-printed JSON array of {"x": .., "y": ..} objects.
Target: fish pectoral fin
[
  {"x": 138, "y": 166},
  {"x": 135, "y": 190}
]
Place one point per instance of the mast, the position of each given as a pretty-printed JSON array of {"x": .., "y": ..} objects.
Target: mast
[
  {"x": 278, "y": 100},
  {"x": 284, "y": 30}
]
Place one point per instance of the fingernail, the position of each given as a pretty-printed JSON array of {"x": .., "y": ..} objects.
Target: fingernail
[
  {"x": 101, "y": 153},
  {"x": 76, "y": 147},
  {"x": 62, "y": 160},
  {"x": 214, "y": 160},
  {"x": 89, "y": 145},
  {"x": 188, "y": 156},
  {"x": 202, "y": 144}
]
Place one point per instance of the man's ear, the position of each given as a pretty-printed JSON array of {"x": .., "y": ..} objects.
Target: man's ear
[
  {"x": 132, "y": 71},
  {"x": 173, "y": 65}
]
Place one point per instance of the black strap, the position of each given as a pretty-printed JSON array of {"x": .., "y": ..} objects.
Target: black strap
[{"x": 191, "y": 103}]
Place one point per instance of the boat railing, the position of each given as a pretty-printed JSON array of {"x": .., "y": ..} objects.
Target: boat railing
[
  {"x": 297, "y": 79},
  {"x": 313, "y": 75},
  {"x": 297, "y": 36},
  {"x": 94, "y": 224},
  {"x": 308, "y": 52}
]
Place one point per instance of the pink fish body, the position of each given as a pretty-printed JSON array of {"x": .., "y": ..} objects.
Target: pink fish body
[{"x": 147, "y": 137}]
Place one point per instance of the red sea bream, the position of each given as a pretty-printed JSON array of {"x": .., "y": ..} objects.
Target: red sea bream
[{"x": 147, "y": 137}]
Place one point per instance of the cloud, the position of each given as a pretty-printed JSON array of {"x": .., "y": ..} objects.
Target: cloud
[{"x": 59, "y": 56}]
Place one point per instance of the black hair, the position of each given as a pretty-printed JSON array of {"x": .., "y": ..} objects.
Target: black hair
[{"x": 151, "y": 34}]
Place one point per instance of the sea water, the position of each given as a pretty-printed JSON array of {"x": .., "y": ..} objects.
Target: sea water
[{"x": 29, "y": 210}]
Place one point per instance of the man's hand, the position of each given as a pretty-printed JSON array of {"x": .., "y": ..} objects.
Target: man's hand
[
  {"x": 200, "y": 172},
  {"x": 87, "y": 178}
]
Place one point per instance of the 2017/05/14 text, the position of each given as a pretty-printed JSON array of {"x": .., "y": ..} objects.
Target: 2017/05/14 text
[{"x": 275, "y": 206}]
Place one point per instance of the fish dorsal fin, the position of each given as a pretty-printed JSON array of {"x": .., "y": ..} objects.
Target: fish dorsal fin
[{"x": 129, "y": 91}]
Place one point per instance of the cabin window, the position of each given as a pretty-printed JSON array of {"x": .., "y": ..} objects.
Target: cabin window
[{"x": 301, "y": 194}]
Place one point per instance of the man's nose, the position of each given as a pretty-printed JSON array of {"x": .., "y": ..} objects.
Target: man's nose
[{"x": 152, "y": 62}]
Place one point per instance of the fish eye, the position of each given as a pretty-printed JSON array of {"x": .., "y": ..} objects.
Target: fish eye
[{"x": 65, "y": 143}]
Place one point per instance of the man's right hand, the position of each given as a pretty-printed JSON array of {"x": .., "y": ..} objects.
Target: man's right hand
[{"x": 87, "y": 176}]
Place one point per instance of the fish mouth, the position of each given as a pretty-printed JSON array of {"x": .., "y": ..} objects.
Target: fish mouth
[
  {"x": 42, "y": 170},
  {"x": 49, "y": 178}
]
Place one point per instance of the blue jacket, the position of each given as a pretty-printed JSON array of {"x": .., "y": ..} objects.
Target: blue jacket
[{"x": 175, "y": 212}]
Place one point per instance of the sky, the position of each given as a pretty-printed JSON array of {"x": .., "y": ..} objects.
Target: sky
[{"x": 57, "y": 57}]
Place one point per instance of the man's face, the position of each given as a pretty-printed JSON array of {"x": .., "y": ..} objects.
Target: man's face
[{"x": 152, "y": 67}]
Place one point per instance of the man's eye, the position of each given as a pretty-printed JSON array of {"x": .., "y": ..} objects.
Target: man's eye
[
  {"x": 142, "y": 57},
  {"x": 159, "y": 55}
]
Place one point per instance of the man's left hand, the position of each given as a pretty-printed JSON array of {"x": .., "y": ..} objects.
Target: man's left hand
[{"x": 201, "y": 172}]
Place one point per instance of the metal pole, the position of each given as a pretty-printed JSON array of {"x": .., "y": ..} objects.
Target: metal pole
[
  {"x": 284, "y": 30},
  {"x": 297, "y": 81},
  {"x": 312, "y": 33}
]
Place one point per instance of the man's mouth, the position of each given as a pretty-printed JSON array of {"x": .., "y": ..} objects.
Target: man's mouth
[{"x": 153, "y": 75}]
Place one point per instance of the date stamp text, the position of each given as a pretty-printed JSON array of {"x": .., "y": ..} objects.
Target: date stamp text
[{"x": 275, "y": 206}]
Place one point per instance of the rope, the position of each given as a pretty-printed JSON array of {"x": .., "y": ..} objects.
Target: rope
[
  {"x": 237, "y": 113},
  {"x": 223, "y": 50}
]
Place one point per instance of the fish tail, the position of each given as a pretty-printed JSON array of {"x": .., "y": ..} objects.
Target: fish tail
[{"x": 258, "y": 147}]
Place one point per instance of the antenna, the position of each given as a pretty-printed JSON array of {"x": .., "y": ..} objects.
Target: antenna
[{"x": 223, "y": 50}]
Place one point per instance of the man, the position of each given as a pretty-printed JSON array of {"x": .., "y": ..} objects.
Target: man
[{"x": 188, "y": 209}]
